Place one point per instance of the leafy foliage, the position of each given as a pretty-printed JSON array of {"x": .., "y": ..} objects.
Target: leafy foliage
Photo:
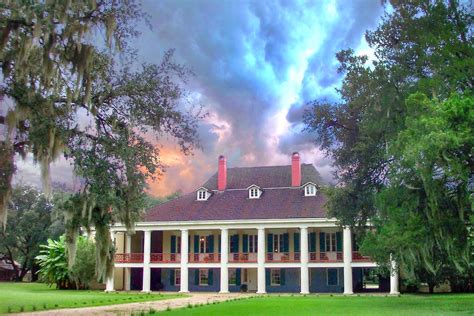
[
  {"x": 32, "y": 221},
  {"x": 54, "y": 264},
  {"x": 72, "y": 98},
  {"x": 402, "y": 140}
]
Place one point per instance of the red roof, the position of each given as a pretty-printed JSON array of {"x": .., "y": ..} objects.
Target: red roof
[{"x": 278, "y": 201}]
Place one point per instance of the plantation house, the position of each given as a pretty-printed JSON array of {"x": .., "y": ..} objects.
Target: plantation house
[{"x": 261, "y": 229}]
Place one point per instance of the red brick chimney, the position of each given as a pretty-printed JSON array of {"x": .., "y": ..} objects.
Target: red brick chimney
[
  {"x": 295, "y": 170},
  {"x": 222, "y": 174}
]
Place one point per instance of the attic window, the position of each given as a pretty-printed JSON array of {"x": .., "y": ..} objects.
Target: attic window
[
  {"x": 202, "y": 195},
  {"x": 254, "y": 192},
  {"x": 310, "y": 190}
]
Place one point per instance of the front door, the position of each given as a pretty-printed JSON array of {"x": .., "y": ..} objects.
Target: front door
[{"x": 251, "y": 280}]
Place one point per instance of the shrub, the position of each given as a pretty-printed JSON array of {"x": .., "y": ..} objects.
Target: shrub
[{"x": 53, "y": 262}]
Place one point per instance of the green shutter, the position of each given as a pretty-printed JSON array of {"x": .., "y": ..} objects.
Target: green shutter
[
  {"x": 219, "y": 244},
  {"x": 235, "y": 243},
  {"x": 210, "y": 242},
  {"x": 312, "y": 242},
  {"x": 282, "y": 276},
  {"x": 171, "y": 276},
  {"x": 286, "y": 242},
  {"x": 196, "y": 277},
  {"x": 267, "y": 277},
  {"x": 322, "y": 242},
  {"x": 339, "y": 241},
  {"x": 210, "y": 276},
  {"x": 173, "y": 244},
  {"x": 245, "y": 243},
  {"x": 196, "y": 243},
  {"x": 237, "y": 276},
  {"x": 270, "y": 243},
  {"x": 296, "y": 241}
]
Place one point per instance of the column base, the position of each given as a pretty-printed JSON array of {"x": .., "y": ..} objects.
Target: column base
[
  {"x": 304, "y": 292},
  {"x": 109, "y": 291},
  {"x": 184, "y": 292},
  {"x": 348, "y": 293},
  {"x": 224, "y": 292},
  {"x": 394, "y": 293},
  {"x": 146, "y": 292},
  {"x": 261, "y": 292}
]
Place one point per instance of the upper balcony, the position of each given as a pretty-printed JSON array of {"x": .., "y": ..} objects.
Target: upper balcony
[{"x": 281, "y": 245}]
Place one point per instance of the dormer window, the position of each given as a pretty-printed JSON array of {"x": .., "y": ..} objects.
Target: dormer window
[
  {"x": 310, "y": 189},
  {"x": 254, "y": 192},
  {"x": 203, "y": 194}
]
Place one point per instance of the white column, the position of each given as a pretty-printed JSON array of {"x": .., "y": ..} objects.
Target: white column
[
  {"x": 347, "y": 249},
  {"x": 304, "y": 255},
  {"x": 146, "y": 260},
  {"x": 109, "y": 282},
  {"x": 184, "y": 261},
  {"x": 393, "y": 277},
  {"x": 261, "y": 261},
  {"x": 224, "y": 260},
  {"x": 128, "y": 249}
]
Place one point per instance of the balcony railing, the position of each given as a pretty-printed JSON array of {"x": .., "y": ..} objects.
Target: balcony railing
[
  {"x": 358, "y": 257},
  {"x": 283, "y": 257},
  {"x": 204, "y": 257},
  {"x": 325, "y": 256},
  {"x": 129, "y": 257},
  {"x": 165, "y": 257},
  {"x": 243, "y": 257}
]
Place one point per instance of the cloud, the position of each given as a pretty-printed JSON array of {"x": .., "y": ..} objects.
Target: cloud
[{"x": 256, "y": 63}]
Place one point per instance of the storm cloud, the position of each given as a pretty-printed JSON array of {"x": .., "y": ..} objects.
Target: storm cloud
[{"x": 257, "y": 63}]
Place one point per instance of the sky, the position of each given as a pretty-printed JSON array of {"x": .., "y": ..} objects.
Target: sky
[{"x": 256, "y": 65}]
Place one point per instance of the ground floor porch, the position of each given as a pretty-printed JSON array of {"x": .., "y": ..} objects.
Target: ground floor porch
[{"x": 277, "y": 280}]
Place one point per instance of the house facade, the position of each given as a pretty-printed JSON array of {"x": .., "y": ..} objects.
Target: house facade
[{"x": 260, "y": 229}]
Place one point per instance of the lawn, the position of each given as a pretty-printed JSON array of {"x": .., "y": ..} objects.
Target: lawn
[
  {"x": 452, "y": 304},
  {"x": 17, "y": 297}
]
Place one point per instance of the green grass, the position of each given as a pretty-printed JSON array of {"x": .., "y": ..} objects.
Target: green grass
[
  {"x": 17, "y": 297},
  {"x": 451, "y": 304}
]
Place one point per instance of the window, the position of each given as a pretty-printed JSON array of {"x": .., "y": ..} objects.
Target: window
[
  {"x": 203, "y": 277},
  {"x": 232, "y": 276},
  {"x": 278, "y": 243},
  {"x": 330, "y": 242},
  {"x": 332, "y": 277},
  {"x": 177, "y": 277},
  {"x": 254, "y": 193},
  {"x": 202, "y": 195},
  {"x": 203, "y": 245},
  {"x": 253, "y": 243},
  {"x": 275, "y": 276},
  {"x": 310, "y": 190}
]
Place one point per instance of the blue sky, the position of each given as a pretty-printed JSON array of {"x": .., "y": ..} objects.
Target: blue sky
[{"x": 256, "y": 64}]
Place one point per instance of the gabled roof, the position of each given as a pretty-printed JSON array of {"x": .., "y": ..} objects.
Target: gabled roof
[
  {"x": 280, "y": 201},
  {"x": 264, "y": 177}
]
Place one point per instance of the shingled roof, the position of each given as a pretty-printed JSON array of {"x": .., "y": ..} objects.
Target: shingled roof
[{"x": 278, "y": 201}]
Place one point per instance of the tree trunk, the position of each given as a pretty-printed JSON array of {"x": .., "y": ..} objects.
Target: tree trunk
[{"x": 431, "y": 287}]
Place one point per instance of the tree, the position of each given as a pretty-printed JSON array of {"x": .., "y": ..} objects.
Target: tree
[
  {"x": 401, "y": 140},
  {"x": 32, "y": 222},
  {"x": 72, "y": 97}
]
